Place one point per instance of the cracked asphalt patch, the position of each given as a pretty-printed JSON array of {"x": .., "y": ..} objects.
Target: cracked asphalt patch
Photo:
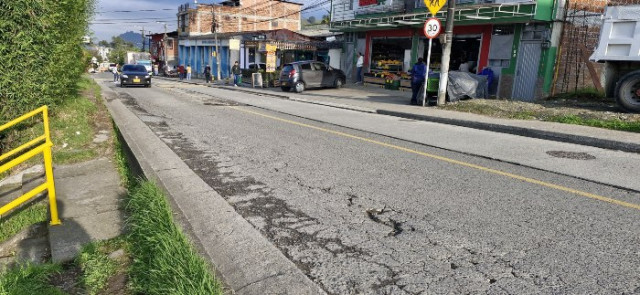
[{"x": 360, "y": 219}]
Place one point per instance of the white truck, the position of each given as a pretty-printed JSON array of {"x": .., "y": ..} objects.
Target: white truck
[
  {"x": 140, "y": 58},
  {"x": 619, "y": 49}
]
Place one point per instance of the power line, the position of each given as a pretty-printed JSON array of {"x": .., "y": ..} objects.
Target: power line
[{"x": 140, "y": 10}]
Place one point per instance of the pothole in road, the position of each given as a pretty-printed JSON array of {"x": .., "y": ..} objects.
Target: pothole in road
[{"x": 571, "y": 155}]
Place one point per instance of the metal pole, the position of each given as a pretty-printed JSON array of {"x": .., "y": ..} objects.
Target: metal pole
[
  {"x": 164, "y": 50},
  {"x": 426, "y": 77},
  {"x": 214, "y": 28},
  {"x": 446, "y": 53}
]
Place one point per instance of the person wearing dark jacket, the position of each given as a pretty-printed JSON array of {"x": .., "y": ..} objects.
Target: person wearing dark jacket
[
  {"x": 235, "y": 70},
  {"x": 207, "y": 74},
  {"x": 418, "y": 73}
]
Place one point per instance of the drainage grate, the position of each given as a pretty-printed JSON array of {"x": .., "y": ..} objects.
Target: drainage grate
[{"x": 571, "y": 155}]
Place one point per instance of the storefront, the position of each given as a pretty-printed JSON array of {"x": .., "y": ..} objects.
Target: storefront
[{"x": 390, "y": 54}]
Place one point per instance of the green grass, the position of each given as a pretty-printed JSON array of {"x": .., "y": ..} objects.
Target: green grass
[
  {"x": 96, "y": 265},
  {"x": 22, "y": 219},
  {"x": 165, "y": 261},
  {"x": 29, "y": 279},
  {"x": 614, "y": 124},
  {"x": 584, "y": 94}
]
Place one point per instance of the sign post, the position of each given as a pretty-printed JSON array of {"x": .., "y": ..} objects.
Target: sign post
[{"x": 431, "y": 30}]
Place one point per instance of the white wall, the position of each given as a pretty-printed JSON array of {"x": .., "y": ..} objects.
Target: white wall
[{"x": 334, "y": 58}]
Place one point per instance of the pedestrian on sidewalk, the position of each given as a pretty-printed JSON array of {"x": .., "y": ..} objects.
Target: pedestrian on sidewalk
[
  {"x": 115, "y": 73},
  {"x": 359, "y": 65},
  {"x": 418, "y": 73},
  {"x": 188, "y": 72},
  {"x": 235, "y": 70},
  {"x": 181, "y": 72},
  {"x": 207, "y": 74}
]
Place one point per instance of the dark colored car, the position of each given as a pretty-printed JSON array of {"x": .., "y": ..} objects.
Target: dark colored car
[
  {"x": 134, "y": 75},
  {"x": 302, "y": 74}
]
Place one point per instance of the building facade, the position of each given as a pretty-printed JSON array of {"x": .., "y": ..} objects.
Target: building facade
[
  {"x": 198, "y": 22},
  {"x": 164, "y": 50},
  {"x": 516, "y": 40}
]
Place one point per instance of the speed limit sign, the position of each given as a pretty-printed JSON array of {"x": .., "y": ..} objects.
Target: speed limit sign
[{"x": 432, "y": 28}]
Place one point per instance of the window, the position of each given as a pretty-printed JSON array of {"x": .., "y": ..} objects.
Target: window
[
  {"x": 170, "y": 44},
  {"x": 320, "y": 67},
  {"x": 305, "y": 67},
  {"x": 274, "y": 24}
]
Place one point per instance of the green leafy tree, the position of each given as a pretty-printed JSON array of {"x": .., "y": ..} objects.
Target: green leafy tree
[
  {"x": 119, "y": 49},
  {"x": 104, "y": 43},
  {"x": 325, "y": 19}
]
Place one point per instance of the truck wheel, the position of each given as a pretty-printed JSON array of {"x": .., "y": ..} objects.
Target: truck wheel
[{"x": 628, "y": 92}]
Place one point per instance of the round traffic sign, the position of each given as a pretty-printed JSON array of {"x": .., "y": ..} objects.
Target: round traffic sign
[{"x": 432, "y": 28}]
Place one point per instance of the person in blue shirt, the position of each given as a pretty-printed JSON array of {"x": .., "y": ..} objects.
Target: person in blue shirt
[{"x": 418, "y": 73}]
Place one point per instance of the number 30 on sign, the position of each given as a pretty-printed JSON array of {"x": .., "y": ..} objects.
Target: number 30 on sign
[{"x": 432, "y": 28}]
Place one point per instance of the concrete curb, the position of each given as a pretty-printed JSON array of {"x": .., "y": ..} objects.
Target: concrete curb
[
  {"x": 502, "y": 128},
  {"x": 527, "y": 132},
  {"x": 248, "y": 262}
]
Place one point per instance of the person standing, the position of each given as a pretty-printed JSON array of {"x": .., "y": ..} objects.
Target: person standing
[
  {"x": 115, "y": 73},
  {"x": 188, "y": 72},
  {"x": 207, "y": 74},
  {"x": 181, "y": 72},
  {"x": 418, "y": 73},
  {"x": 359, "y": 65},
  {"x": 155, "y": 69},
  {"x": 235, "y": 70}
]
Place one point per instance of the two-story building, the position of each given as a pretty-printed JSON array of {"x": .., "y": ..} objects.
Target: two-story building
[
  {"x": 516, "y": 39},
  {"x": 164, "y": 49},
  {"x": 198, "y": 22}
]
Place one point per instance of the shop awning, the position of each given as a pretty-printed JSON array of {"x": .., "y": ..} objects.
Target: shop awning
[{"x": 467, "y": 15}]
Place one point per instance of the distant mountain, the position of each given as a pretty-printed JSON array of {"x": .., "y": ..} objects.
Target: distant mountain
[{"x": 133, "y": 37}]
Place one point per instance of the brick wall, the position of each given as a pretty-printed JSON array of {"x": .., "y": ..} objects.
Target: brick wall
[{"x": 254, "y": 15}]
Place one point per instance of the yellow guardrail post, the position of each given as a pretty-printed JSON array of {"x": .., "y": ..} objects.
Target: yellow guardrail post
[
  {"x": 22, "y": 156},
  {"x": 48, "y": 170}
]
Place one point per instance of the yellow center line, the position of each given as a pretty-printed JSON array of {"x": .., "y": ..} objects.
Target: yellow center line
[{"x": 452, "y": 161}]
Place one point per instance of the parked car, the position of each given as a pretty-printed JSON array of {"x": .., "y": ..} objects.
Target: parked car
[
  {"x": 303, "y": 74},
  {"x": 134, "y": 75}
]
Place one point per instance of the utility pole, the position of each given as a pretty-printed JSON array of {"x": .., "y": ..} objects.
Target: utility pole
[
  {"x": 164, "y": 49},
  {"x": 446, "y": 52},
  {"x": 142, "y": 31},
  {"x": 214, "y": 29}
]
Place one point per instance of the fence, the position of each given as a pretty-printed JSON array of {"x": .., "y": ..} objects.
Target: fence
[
  {"x": 582, "y": 21},
  {"x": 41, "y": 144}
]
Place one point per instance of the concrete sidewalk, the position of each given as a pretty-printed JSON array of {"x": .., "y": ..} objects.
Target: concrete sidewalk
[
  {"x": 89, "y": 197},
  {"x": 396, "y": 103},
  {"x": 89, "y": 201}
]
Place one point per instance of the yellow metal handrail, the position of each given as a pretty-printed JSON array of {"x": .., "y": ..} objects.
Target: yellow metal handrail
[{"x": 26, "y": 152}]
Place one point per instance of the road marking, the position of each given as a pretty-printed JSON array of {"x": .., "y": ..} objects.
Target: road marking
[{"x": 452, "y": 161}]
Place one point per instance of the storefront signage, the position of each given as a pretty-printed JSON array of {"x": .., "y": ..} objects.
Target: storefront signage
[
  {"x": 271, "y": 58},
  {"x": 234, "y": 44},
  {"x": 432, "y": 28},
  {"x": 434, "y": 5},
  {"x": 362, "y": 3}
]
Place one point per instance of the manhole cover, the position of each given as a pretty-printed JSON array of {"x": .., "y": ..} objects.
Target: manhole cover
[{"x": 571, "y": 155}]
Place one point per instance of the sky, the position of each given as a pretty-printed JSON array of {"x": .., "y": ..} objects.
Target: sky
[{"x": 114, "y": 17}]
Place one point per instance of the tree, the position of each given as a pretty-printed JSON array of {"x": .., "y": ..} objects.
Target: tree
[
  {"x": 311, "y": 20},
  {"x": 119, "y": 49},
  {"x": 325, "y": 19},
  {"x": 104, "y": 43}
]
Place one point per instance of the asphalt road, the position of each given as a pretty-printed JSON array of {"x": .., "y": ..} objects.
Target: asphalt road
[{"x": 363, "y": 213}]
